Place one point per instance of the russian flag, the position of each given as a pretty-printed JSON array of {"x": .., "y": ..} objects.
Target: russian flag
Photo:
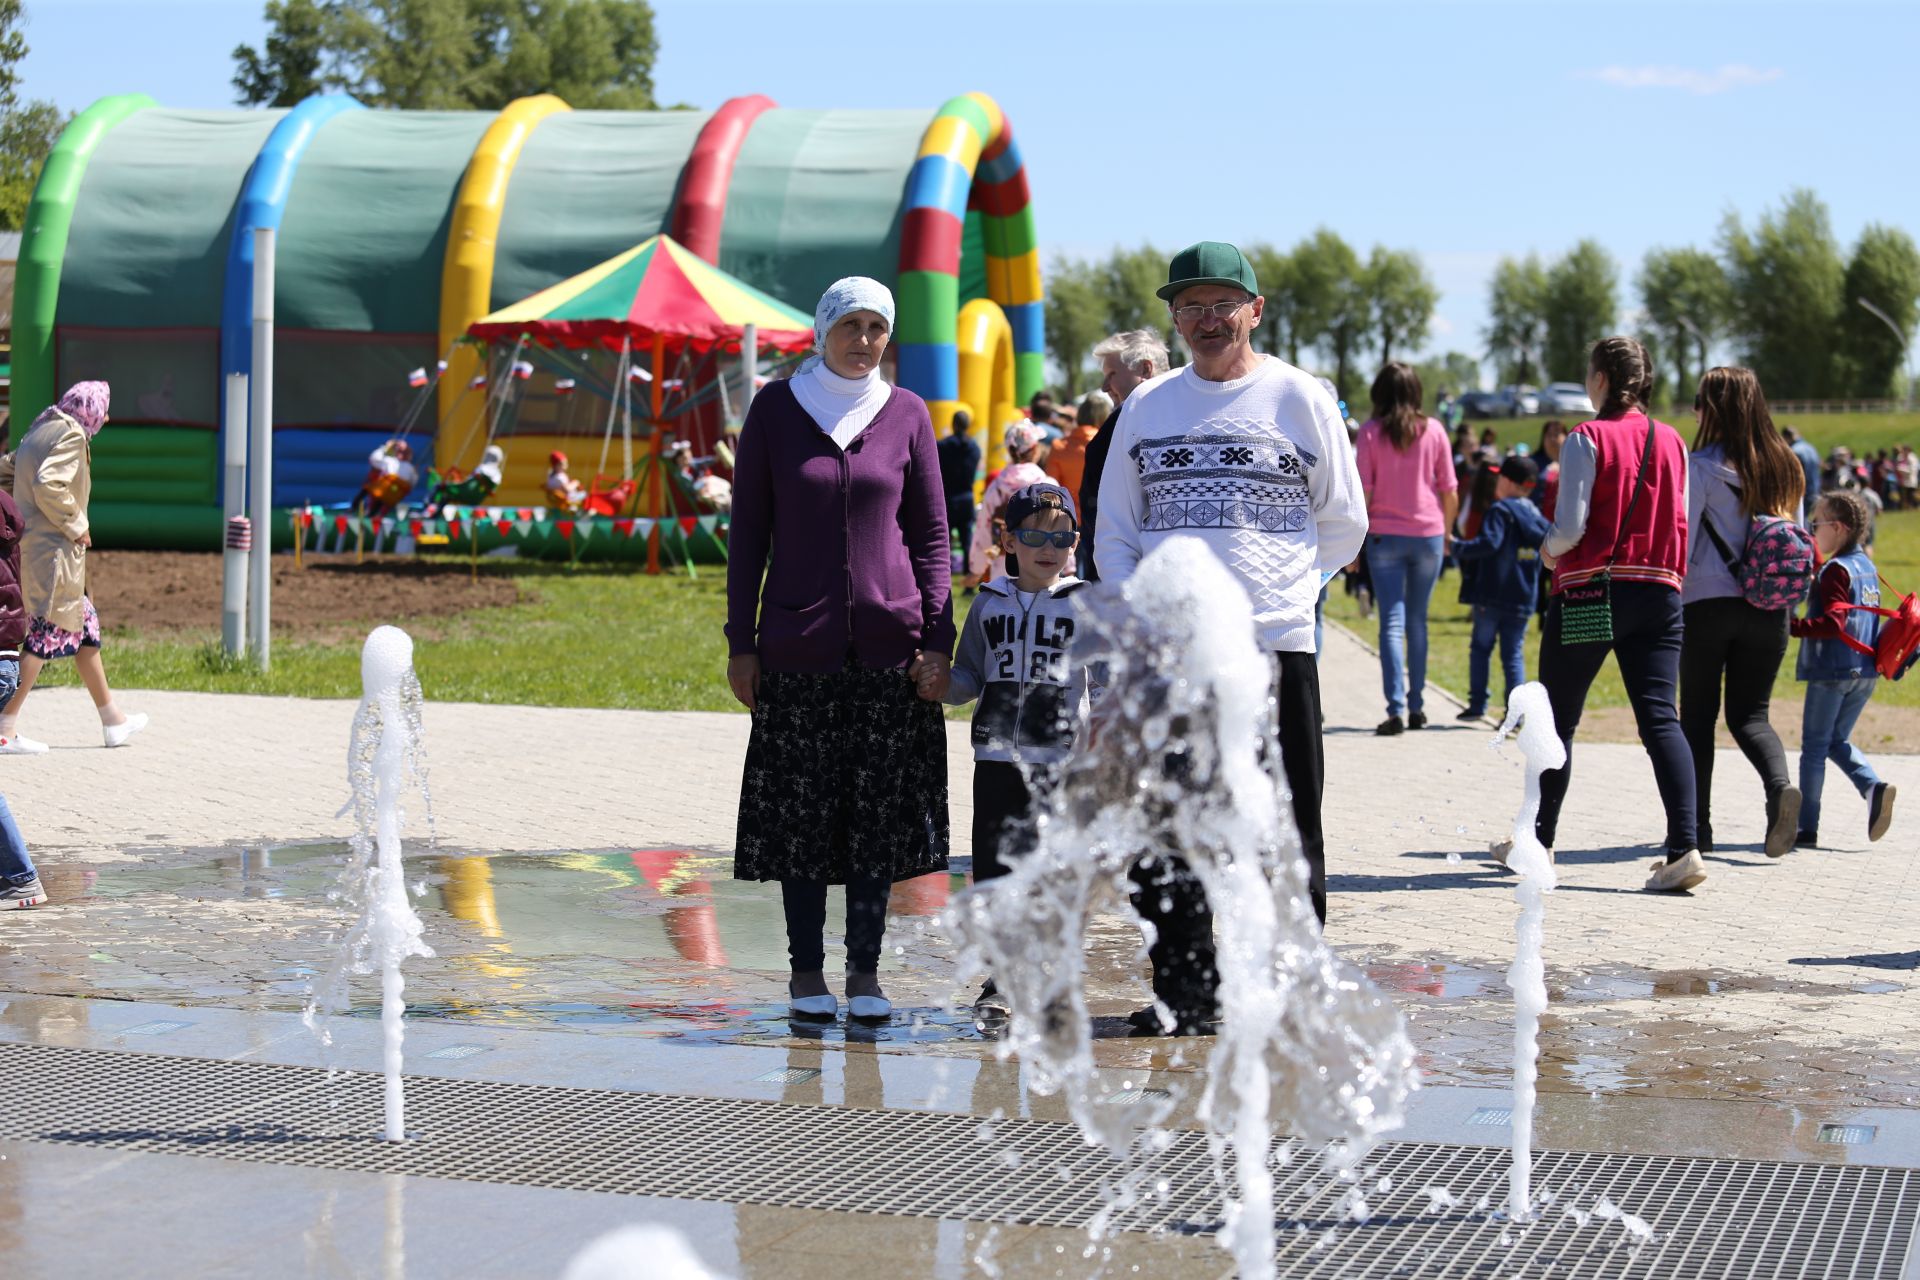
[
  {"x": 479, "y": 382},
  {"x": 639, "y": 375},
  {"x": 523, "y": 369},
  {"x": 563, "y": 387},
  {"x": 418, "y": 378}
]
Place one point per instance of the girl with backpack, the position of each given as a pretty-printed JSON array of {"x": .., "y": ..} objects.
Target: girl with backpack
[
  {"x": 1744, "y": 504},
  {"x": 1840, "y": 677}
]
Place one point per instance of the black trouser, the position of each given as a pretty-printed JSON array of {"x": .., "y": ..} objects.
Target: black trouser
[
  {"x": 1647, "y": 627},
  {"x": 1167, "y": 893},
  {"x": 1003, "y": 827},
  {"x": 805, "y": 902},
  {"x": 1729, "y": 640},
  {"x": 960, "y": 517}
]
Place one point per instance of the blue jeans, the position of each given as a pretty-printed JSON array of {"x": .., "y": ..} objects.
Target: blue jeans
[
  {"x": 1833, "y": 708},
  {"x": 1404, "y": 569},
  {"x": 15, "y": 866},
  {"x": 1509, "y": 627}
]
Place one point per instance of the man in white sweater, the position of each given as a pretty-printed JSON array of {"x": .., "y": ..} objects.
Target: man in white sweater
[{"x": 1249, "y": 454}]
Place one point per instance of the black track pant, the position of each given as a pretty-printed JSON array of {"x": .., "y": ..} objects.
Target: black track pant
[
  {"x": 1168, "y": 895},
  {"x": 1731, "y": 644}
]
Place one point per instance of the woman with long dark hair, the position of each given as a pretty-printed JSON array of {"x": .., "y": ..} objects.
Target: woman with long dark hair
[
  {"x": 1547, "y": 457},
  {"x": 1618, "y": 551},
  {"x": 1406, "y": 471},
  {"x": 1740, "y": 468}
]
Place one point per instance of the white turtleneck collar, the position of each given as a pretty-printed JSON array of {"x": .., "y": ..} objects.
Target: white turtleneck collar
[{"x": 841, "y": 407}]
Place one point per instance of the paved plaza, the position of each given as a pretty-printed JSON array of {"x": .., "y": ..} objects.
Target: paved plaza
[{"x": 588, "y": 937}]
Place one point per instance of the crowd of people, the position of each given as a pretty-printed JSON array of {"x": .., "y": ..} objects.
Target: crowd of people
[{"x": 851, "y": 523}]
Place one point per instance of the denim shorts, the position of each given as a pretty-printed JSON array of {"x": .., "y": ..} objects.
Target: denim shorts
[{"x": 9, "y": 679}]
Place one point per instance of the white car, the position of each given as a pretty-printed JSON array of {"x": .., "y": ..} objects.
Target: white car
[{"x": 1558, "y": 398}]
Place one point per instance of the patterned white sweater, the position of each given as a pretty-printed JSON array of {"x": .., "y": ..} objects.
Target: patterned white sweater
[{"x": 1259, "y": 468}]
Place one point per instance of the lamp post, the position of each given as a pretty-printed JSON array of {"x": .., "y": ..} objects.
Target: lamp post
[{"x": 1899, "y": 336}]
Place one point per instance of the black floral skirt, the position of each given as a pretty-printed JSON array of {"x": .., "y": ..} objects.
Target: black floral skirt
[{"x": 846, "y": 778}]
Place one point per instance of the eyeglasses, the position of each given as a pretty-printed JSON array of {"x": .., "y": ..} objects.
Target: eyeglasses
[
  {"x": 1040, "y": 538},
  {"x": 1217, "y": 311}
]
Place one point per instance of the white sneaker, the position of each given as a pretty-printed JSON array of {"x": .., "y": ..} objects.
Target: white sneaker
[
  {"x": 1681, "y": 874},
  {"x": 117, "y": 734},
  {"x": 19, "y": 745}
]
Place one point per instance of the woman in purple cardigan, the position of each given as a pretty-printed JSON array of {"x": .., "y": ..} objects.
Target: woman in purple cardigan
[{"x": 842, "y": 653}]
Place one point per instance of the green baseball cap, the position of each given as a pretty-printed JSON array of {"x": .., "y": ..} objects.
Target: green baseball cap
[{"x": 1209, "y": 262}]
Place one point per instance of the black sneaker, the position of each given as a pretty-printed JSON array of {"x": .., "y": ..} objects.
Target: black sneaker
[
  {"x": 1471, "y": 714},
  {"x": 1391, "y": 727},
  {"x": 1148, "y": 1023},
  {"x": 1783, "y": 822},
  {"x": 1418, "y": 720},
  {"x": 16, "y": 896},
  {"x": 1879, "y": 810},
  {"x": 1806, "y": 840}
]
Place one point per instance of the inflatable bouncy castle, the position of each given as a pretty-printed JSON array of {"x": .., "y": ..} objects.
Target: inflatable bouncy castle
[{"x": 397, "y": 230}]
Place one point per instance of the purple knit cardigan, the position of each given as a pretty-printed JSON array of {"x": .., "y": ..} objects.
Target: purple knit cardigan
[{"x": 853, "y": 544}]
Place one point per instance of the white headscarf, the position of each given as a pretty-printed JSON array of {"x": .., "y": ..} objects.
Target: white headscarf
[{"x": 842, "y": 407}]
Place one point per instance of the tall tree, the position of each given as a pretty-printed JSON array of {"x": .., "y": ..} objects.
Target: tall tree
[
  {"x": 291, "y": 63},
  {"x": 1885, "y": 271},
  {"x": 1516, "y": 302},
  {"x": 1687, "y": 297},
  {"x": 28, "y": 130},
  {"x": 1076, "y": 316},
  {"x": 1402, "y": 298},
  {"x": 454, "y": 54},
  {"x": 1788, "y": 282},
  {"x": 1582, "y": 299},
  {"x": 1274, "y": 269},
  {"x": 1129, "y": 281},
  {"x": 1329, "y": 302}
]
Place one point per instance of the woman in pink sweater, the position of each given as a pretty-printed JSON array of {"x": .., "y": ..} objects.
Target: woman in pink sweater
[{"x": 1406, "y": 469}]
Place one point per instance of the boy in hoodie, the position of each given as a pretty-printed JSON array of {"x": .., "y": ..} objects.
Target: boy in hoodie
[
  {"x": 19, "y": 882},
  {"x": 1505, "y": 583},
  {"x": 1013, "y": 658}
]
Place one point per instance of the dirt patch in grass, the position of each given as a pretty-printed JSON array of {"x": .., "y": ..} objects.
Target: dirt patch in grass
[
  {"x": 1882, "y": 730},
  {"x": 154, "y": 592}
]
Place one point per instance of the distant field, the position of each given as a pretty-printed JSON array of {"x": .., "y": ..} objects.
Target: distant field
[{"x": 1860, "y": 432}]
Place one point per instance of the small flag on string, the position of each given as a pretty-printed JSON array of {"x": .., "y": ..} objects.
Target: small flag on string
[
  {"x": 418, "y": 378},
  {"x": 339, "y": 524},
  {"x": 674, "y": 384},
  {"x": 479, "y": 382},
  {"x": 503, "y": 527},
  {"x": 523, "y": 369},
  {"x": 639, "y": 375},
  {"x": 440, "y": 365},
  {"x": 563, "y": 387},
  {"x": 566, "y": 528}
]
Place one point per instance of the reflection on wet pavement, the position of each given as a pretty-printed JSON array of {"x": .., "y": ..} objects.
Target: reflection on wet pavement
[{"x": 665, "y": 944}]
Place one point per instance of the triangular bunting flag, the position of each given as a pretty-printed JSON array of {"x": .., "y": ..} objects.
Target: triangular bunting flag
[
  {"x": 566, "y": 528},
  {"x": 623, "y": 527},
  {"x": 687, "y": 525},
  {"x": 503, "y": 526}
]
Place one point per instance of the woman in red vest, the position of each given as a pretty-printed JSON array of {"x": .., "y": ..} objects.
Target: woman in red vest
[{"x": 1618, "y": 551}]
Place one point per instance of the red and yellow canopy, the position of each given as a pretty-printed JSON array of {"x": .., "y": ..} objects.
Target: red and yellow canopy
[{"x": 657, "y": 289}]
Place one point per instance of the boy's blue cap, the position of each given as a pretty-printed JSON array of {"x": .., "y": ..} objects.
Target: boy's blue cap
[{"x": 1039, "y": 497}]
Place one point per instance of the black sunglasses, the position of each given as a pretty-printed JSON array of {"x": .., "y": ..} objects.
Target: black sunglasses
[{"x": 1040, "y": 538}]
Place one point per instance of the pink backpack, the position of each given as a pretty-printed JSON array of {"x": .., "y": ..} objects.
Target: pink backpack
[{"x": 1776, "y": 566}]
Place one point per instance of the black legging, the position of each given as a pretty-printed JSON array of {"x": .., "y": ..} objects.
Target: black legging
[
  {"x": 1646, "y": 642},
  {"x": 805, "y": 902},
  {"x": 1728, "y": 639}
]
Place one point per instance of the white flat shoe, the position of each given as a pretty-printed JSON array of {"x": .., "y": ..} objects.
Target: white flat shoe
[
  {"x": 117, "y": 734},
  {"x": 827, "y": 1006},
  {"x": 870, "y": 1008},
  {"x": 21, "y": 746}
]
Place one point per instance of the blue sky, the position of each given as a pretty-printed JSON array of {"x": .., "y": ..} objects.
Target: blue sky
[{"x": 1461, "y": 131}]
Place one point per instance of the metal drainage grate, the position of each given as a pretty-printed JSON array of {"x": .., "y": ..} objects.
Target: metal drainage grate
[
  {"x": 1492, "y": 1116},
  {"x": 1712, "y": 1218},
  {"x": 153, "y": 1028},
  {"x": 788, "y": 1075}
]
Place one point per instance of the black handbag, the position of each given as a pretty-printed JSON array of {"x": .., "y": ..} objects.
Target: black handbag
[{"x": 1586, "y": 611}]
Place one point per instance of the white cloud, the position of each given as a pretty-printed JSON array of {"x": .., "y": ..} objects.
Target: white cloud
[{"x": 1687, "y": 78}]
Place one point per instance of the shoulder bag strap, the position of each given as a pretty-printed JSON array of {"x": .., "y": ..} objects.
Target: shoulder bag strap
[
  {"x": 1639, "y": 483},
  {"x": 1719, "y": 543}
]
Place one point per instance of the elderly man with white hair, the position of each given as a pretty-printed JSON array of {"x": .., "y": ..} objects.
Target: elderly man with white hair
[
  {"x": 1248, "y": 454},
  {"x": 1126, "y": 360}
]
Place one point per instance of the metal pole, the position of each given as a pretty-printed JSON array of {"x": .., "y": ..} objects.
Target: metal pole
[
  {"x": 749, "y": 365},
  {"x": 261, "y": 418},
  {"x": 1899, "y": 335},
  {"x": 233, "y": 569}
]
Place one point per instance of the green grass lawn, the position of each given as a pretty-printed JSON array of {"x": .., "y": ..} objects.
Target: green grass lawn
[
  {"x": 1896, "y": 550},
  {"x": 1861, "y": 432}
]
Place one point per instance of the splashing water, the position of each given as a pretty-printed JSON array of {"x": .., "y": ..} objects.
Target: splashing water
[
  {"x": 1530, "y": 721},
  {"x": 1173, "y": 767},
  {"x": 384, "y": 758}
]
